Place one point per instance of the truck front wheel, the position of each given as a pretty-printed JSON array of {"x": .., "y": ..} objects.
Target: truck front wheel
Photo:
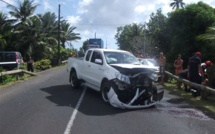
[
  {"x": 75, "y": 82},
  {"x": 104, "y": 91},
  {"x": 154, "y": 89}
]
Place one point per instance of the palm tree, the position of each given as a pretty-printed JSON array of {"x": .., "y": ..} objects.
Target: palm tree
[
  {"x": 24, "y": 10},
  {"x": 84, "y": 46},
  {"x": 3, "y": 19},
  {"x": 137, "y": 33},
  {"x": 5, "y": 30},
  {"x": 67, "y": 33},
  {"x": 209, "y": 35},
  {"x": 50, "y": 27},
  {"x": 129, "y": 37},
  {"x": 33, "y": 39},
  {"x": 22, "y": 14},
  {"x": 177, "y": 4}
]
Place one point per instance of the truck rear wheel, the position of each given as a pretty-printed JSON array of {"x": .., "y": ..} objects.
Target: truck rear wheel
[{"x": 75, "y": 82}]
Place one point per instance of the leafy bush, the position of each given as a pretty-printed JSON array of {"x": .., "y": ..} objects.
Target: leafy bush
[
  {"x": 6, "y": 78},
  {"x": 23, "y": 66},
  {"x": 42, "y": 64}
]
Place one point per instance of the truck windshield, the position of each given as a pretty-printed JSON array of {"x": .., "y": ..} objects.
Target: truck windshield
[{"x": 120, "y": 58}]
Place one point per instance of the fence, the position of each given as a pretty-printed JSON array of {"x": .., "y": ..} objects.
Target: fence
[
  {"x": 64, "y": 62},
  {"x": 16, "y": 72},
  {"x": 205, "y": 90}
]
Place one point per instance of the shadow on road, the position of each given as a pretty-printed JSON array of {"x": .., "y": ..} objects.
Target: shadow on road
[{"x": 92, "y": 103}]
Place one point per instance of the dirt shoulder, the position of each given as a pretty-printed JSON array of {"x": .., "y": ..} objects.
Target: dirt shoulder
[{"x": 206, "y": 106}]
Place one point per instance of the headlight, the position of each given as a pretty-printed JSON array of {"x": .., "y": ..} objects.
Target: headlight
[
  {"x": 153, "y": 77},
  {"x": 123, "y": 78}
]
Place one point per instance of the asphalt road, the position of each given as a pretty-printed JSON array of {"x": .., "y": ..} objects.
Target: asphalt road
[{"x": 47, "y": 104}]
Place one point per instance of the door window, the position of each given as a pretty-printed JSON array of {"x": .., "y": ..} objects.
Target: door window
[
  {"x": 88, "y": 55},
  {"x": 96, "y": 55}
]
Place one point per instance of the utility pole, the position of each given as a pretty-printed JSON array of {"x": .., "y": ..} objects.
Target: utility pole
[{"x": 59, "y": 35}]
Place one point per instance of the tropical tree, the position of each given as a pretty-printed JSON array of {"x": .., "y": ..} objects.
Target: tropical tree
[
  {"x": 177, "y": 4},
  {"x": 185, "y": 25},
  {"x": 24, "y": 10},
  {"x": 130, "y": 37},
  {"x": 209, "y": 35},
  {"x": 23, "y": 15},
  {"x": 84, "y": 46},
  {"x": 50, "y": 29},
  {"x": 31, "y": 37},
  {"x": 67, "y": 33},
  {"x": 49, "y": 23},
  {"x": 156, "y": 30},
  {"x": 34, "y": 35},
  {"x": 3, "y": 25},
  {"x": 5, "y": 31}
]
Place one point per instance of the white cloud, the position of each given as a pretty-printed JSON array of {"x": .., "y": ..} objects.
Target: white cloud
[
  {"x": 85, "y": 2},
  {"x": 47, "y": 5},
  {"x": 140, "y": 9},
  {"x": 144, "y": 8},
  {"x": 83, "y": 6},
  {"x": 104, "y": 16},
  {"x": 73, "y": 19}
]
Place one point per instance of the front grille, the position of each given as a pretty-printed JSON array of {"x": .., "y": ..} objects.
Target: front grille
[{"x": 139, "y": 80}]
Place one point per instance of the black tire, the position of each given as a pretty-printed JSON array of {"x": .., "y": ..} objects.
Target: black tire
[
  {"x": 154, "y": 88},
  {"x": 104, "y": 91},
  {"x": 75, "y": 82}
]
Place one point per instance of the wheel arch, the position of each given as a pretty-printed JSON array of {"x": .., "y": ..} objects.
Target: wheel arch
[
  {"x": 103, "y": 81},
  {"x": 154, "y": 88}
]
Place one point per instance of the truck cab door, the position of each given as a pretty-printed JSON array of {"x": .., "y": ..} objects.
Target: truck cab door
[
  {"x": 96, "y": 69},
  {"x": 85, "y": 67}
]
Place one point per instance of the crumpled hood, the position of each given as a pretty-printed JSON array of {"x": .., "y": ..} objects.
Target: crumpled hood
[
  {"x": 130, "y": 66},
  {"x": 131, "y": 69}
]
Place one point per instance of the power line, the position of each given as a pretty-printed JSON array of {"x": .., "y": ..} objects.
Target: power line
[{"x": 7, "y": 3}]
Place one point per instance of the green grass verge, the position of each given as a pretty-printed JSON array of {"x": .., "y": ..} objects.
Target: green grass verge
[
  {"x": 206, "y": 105},
  {"x": 11, "y": 79}
]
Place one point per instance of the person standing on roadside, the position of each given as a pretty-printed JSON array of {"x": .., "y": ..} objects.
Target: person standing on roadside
[
  {"x": 178, "y": 64},
  {"x": 139, "y": 55},
  {"x": 30, "y": 64},
  {"x": 204, "y": 66},
  {"x": 195, "y": 72},
  {"x": 162, "y": 63}
]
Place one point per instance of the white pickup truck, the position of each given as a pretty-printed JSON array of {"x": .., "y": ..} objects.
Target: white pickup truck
[{"x": 122, "y": 80}]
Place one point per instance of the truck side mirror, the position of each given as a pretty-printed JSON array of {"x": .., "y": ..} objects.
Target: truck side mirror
[{"x": 98, "y": 61}]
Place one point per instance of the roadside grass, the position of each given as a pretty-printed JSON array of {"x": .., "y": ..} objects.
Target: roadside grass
[
  {"x": 207, "y": 106},
  {"x": 11, "y": 79}
]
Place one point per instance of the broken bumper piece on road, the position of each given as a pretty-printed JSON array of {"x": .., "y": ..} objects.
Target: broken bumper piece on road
[{"x": 115, "y": 102}]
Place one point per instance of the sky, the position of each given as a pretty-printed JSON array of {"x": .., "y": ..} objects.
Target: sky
[{"x": 100, "y": 18}]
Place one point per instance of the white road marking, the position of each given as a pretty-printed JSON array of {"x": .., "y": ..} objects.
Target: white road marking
[{"x": 72, "y": 118}]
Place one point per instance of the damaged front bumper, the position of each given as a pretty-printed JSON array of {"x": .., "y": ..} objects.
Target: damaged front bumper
[{"x": 115, "y": 102}]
